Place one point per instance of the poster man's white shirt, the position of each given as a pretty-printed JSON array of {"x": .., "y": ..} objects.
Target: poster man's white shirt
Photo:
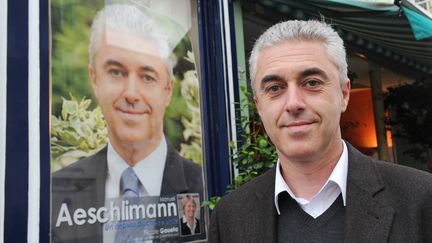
[{"x": 149, "y": 171}]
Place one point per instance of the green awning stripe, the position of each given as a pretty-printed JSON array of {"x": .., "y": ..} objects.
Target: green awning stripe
[
  {"x": 378, "y": 28},
  {"x": 421, "y": 26}
]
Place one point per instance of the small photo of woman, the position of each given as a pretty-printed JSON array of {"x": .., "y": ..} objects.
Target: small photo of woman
[{"x": 190, "y": 214}]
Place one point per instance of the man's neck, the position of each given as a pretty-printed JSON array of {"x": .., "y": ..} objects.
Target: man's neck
[
  {"x": 132, "y": 153},
  {"x": 306, "y": 178}
]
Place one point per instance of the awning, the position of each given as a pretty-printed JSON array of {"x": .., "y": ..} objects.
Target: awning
[
  {"x": 420, "y": 20},
  {"x": 398, "y": 38}
]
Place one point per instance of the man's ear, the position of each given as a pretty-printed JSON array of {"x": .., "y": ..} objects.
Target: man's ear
[
  {"x": 346, "y": 89},
  {"x": 257, "y": 104},
  {"x": 92, "y": 76},
  {"x": 169, "y": 89}
]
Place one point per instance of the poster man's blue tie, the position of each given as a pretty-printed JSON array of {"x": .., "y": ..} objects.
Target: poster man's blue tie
[
  {"x": 129, "y": 189},
  {"x": 129, "y": 184}
]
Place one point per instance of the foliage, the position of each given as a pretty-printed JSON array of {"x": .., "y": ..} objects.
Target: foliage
[
  {"x": 77, "y": 133},
  {"x": 191, "y": 147},
  {"x": 173, "y": 125},
  {"x": 254, "y": 153},
  {"x": 211, "y": 203},
  {"x": 411, "y": 117},
  {"x": 71, "y": 20}
]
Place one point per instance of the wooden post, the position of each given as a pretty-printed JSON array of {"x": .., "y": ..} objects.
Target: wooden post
[{"x": 378, "y": 108}]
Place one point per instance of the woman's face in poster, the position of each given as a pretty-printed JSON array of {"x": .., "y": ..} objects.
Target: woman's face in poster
[
  {"x": 189, "y": 209},
  {"x": 133, "y": 88}
]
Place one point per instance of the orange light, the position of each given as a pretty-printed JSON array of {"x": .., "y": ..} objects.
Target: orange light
[{"x": 358, "y": 123}]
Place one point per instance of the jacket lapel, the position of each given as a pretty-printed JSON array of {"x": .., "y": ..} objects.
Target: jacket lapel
[
  {"x": 81, "y": 186},
  {"x": 173, "y": 181},
  {"x": 367, "y": 218},
  {"x": 98, "y": 169},
  {"x": 263, "y": 215}
]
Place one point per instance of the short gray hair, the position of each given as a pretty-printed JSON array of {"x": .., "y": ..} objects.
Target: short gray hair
[
  {"x": 129, "y": 19},
  {"x": 310, "y": 30}
]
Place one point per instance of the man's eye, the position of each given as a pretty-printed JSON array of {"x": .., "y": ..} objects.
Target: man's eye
[
  {"x": 116, "y": 73},
  {"x": 312, "y": 83},
  {"x": 148, "y": 78},
  {"x": 273, "y": 89}
]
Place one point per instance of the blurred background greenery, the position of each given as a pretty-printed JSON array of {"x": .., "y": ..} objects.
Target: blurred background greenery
[{"x": 77, "y": 127}]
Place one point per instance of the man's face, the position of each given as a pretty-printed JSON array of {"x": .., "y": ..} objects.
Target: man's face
[
  {"x": 133, "y": 89},
  {"x": 300, "y": 99}
]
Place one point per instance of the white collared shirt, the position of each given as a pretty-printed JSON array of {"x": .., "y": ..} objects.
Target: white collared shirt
[
  {"x": 149, "y": 171},
  {"x": 320, "y": 202},
  {"x": 191, "y": 227}
]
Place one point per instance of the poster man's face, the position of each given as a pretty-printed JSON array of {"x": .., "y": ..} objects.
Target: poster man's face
[
  {"x": 300, "y": 99},
  {"x": 133, "y": 88}
]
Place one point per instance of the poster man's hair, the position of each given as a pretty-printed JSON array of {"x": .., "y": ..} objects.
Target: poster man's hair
[{"x": 131, "y": 20}]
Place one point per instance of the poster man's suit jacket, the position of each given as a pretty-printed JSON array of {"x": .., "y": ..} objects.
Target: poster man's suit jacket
[
  {"x": 385, "y": 203},
  {"x": 82, "y": 185}
]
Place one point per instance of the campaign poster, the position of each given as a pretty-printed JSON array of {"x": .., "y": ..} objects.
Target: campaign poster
[{"x": 126, "y": 125}]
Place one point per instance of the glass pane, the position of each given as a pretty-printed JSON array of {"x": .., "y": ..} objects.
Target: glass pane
[{"x": 126, "y": 138}]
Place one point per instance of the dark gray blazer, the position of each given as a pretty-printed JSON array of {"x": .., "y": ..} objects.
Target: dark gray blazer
[
  {"x": 82, "y": 185},
  {"x": 385, "y": 203}
]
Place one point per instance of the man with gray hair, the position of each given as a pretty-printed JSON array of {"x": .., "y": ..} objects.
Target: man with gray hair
[
  {"x": 131, "y": 74},
  {"x": 322, "y": 189}
]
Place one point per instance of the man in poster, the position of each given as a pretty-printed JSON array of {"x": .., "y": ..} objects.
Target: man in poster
[{"x": 131, "y": 74}]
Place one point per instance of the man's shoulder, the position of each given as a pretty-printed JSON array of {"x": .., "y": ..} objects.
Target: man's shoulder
[
  {"x": 408, "y": 192},
  {"x": 404, "y": 176},
  {"x": 402, "y": 179},
  {"x": 193, "y": 174},
  {"x": 251, "y": 201},
  {"x": 188, "y": 165},
  {"x": 181, "y": 175},
  {"x": 398, "y": 185},
  {"x": 89, "y": 164},
  {"x": 248, "y": 191}
]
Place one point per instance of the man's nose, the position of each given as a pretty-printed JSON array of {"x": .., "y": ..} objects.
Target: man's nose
[
  {"x": 131, "y": 93},
  {"x": 294, "y": 101}
]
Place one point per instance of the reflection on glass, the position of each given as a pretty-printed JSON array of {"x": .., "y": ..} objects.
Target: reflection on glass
[{"x": 123, "y": 167}]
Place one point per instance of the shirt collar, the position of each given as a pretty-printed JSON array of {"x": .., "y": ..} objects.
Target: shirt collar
[
  {"x": 116, "y": 166},
  {"x": 149, "y": 170},
  {"x": 191, "y": 227},
  {"x": 338, "y": 176},
  {"x": 340, "y": 172}
]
